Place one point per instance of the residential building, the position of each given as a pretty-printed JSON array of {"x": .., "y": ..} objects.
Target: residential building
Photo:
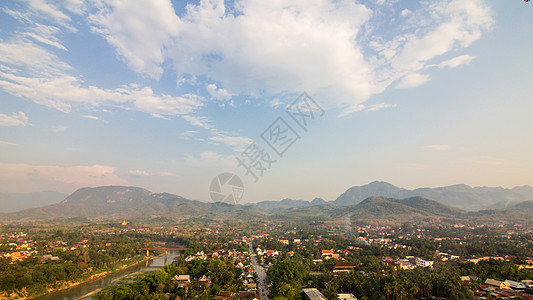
[{"x": 313, "y": 294}]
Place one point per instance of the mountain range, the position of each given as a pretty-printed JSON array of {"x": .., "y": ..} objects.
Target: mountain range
[
  {"x": 375, "y": 202},
  {"x": 461, "y": 196}
]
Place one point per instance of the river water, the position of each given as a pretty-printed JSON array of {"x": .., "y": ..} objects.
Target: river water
[{"x": 85, "y": 290}]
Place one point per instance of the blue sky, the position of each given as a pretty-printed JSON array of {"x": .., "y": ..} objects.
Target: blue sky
[{"x": 166, "y": 95}]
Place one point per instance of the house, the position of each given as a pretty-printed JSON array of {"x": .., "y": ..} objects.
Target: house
[
  {"x": 498, "y": 284},
  {"x": 528, "y": 283},
  {"x": 182, "y": 280},
  {"x": 205, "y": 281},
  {"x": 327, "y": 252},
  {"x": 343, "y": 266},
  {"x": 346, "y": 296},
  {"x": 506, "y": 294},
  {"x": 516, "y": 285},
  {"x": 313, "y": 294},
  {"x": 224, "y": 295},
  {"x": 405, "y": 265}
]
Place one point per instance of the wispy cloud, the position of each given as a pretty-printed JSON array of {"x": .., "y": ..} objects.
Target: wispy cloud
[
  {"x": 218, "y": 93},
  {"x": 142, "y": 173},
  {"x": 91, "y": 117},
  {"x": 237, "y": 143},
  {"x": 15, "y": 119},
  {"x": 276, "y": 103},
  {"x": 210, "y": 159},
  {"x": 95, "y": 175},
  {"x": 60, "y": 128},
  {"x": 412, "y": 80},
  {"x": 456, "y": 61},
  {"x": 362, "y": 107},
  {"x": 8, "y": 143}
]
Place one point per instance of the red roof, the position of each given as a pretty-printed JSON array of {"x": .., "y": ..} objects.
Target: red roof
[{"x": 506, "y": 294}]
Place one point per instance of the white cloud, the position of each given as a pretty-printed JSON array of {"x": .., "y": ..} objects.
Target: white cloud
[
  {"x": 8, "y": 143},
  {"x": 60, "y": 128},
  {"x": 406, "y": 12},
  {"x": 165, "y": 174},
  {"x": 218, "y": 93},
  {"x": 43, "y": 10},
  {"x": 64, "y": 91},
  {"x": 277, "y": 46},
  {"x": 362, "y": 107},
  {"x": 237, "y": 143},
  {"x": 378, "y": 106},
  {"x": 139, "y": 31},
  {"x": 203, "y": 122},
  {"x": 25, "y": 55},
  {"x": 160, "y": 117},
  {"x": 438, "y": 147},
  {"x": 91, "y": 117},
  {"x": 254, "y": 48},
  {"x": 44, "y": 34},
  {"x": 182, "y": 80},
  {"x": 412, "y": 80},
  {"x": 141, "y": 173},
  {"x": 440, "y": 27},
  {"x": 30, "y": 70},
  {"x": 456, "y": 61},
  {"x": 16, "y": 119},
  {"x": 95, "y": 175},
  {"x": 276, "y": 103},
  {"x": 211, "y": 159},
  {"x": 265, "y": 45}
]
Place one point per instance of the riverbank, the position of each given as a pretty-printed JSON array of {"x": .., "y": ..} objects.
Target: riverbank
[
  {"x": 24, "y": 294},
  {"x": 68, "y": 285}
]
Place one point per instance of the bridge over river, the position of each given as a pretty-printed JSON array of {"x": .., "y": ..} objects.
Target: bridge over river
[{"x": 162, "y": 249}]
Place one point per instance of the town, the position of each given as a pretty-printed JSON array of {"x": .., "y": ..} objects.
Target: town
[{"x": 239, "y": 260}]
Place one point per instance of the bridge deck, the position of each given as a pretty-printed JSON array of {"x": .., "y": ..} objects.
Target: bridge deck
[{"x": 165, "y": 248}]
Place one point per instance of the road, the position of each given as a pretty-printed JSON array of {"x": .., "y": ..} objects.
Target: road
[{"x": 261, "y": 275}]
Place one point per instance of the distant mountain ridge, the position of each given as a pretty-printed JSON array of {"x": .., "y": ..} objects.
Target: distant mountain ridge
[
  {"x": 118, "y": 202},
  {"x": 461, "y": 196},
  {"x": 273, "y": 206},
  {"x": 400, "y": 210}
]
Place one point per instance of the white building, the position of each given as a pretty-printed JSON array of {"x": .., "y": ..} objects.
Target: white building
[{"x": 419, "y": 262}]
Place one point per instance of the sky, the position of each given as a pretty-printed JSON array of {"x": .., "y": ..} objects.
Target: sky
[{"x": 299, "y": 99}]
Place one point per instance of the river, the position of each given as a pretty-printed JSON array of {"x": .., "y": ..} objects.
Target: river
[{"x": 85, "y": 290}]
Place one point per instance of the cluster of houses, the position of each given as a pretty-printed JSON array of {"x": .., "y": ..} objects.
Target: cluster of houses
[
  {"x": 408, "y": 263},
  {"x": 507, "y": 289},
  {"x": 241, "y": 261},
  {"x": 184, "y": 281},
  {"x": 314, "y": 294},
  {"x": 21, "y": 248}
]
